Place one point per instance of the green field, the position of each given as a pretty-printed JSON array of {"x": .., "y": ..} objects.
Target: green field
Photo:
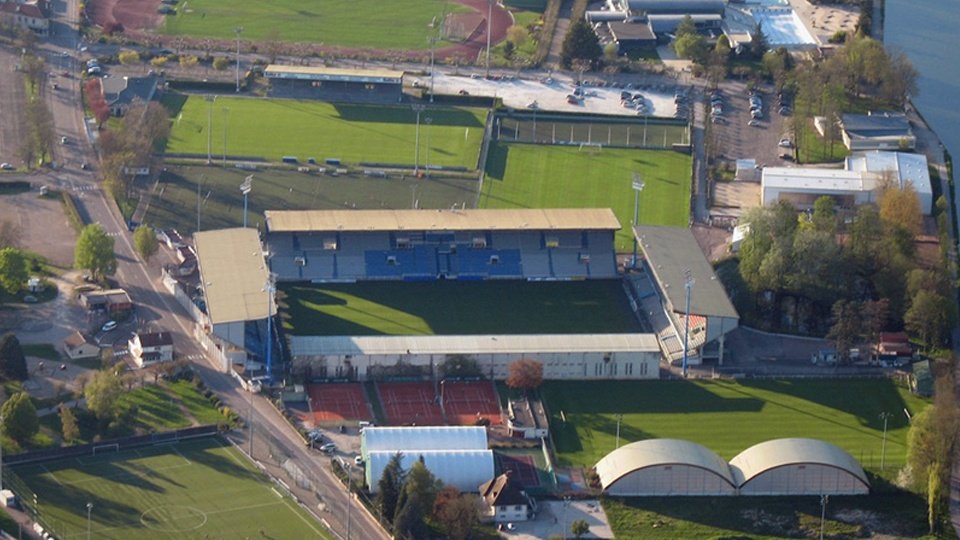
[
  {"x": 173, "y": 203},
  {"x": 343, "y": 23},
  {"x": 273, "y": 128},
  {"x": 456, "y": 307},
  {"x": 543, "y": 176},
  {"x": 728, "y": 416},
  {"x": 198, "y": 489}
]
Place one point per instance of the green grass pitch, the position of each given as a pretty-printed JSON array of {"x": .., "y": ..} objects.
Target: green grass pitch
[
  {"x": 730, "y": 416},
  {"x": 543, "y": 176},
  {"x": 273, "y": 128},
  {"x": 174, "y": 202},
  {"x": 197, "y": 489},
  {"x": 344, "y": 23},
  {"x": 456, "y": 307}
]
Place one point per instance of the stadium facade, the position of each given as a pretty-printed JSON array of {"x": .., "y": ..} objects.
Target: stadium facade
[{"x": 335, "y": 84}]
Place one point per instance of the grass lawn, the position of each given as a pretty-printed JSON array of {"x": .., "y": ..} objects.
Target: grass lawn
[
  {"x": 456, "y": 307},
  {"x": 729, "y": 416},
  {"x": 198, "y": 405},
  {"x": 174, "y": 201},
  {"x": 343, "y": 23},
  {"x": 196, "y": 489},
  {"x": 273, "y": 128},
  {"x": 155, "y": 408},
  {"x": 542, "y": 176}
]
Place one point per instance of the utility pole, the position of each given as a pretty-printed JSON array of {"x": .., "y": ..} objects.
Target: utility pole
[
  {"x": 416, "y": 157},
  {"x": 245, "y": 188},
  {"x": 349, "y": 496},
  {"x": 619, "y": 419},
  {"x": 226, "y": 117},
  {"x": 433, "y": 42},
  {"x": 198, "y": 201},
  {"x": 823, "y": 512},
  {"x": 883, "y": 445},
  {"x": 688, "y": 285},
  {"x": 238, "y": 30},
  {"x": 426, "y": 161},
  {"x": 210, "y": 101},
  {"x": 250, "y": 419},
  {"x": 270, "y": 288},
  {"x": 489, "y": 16},
  {"x": 89, "y": 509}
]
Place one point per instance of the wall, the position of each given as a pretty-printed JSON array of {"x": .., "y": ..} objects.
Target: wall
[{"x": 671, "y": 480}]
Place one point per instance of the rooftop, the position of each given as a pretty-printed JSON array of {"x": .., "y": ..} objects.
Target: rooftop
[
  {"x": 502, "y": 491},
  {"x": 905, "y": 166},
  {"x": 630, "y": 30},
  {"x": 876, "y": 124},
  {"x": 441, "y": 220},
  {"x": 279, "y": 70},
  {"x": 234, "y": 275},
  {"x": 673, "y": 251},
  {"x": 816, "y": 179},
  {"x": 155, "y": 339}
]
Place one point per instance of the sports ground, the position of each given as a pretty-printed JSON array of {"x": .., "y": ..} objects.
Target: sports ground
[
  {"x": 730, "y": 416},
  {"x": 273, "y": 128},
  {"x": 197, "y": 489},
  {"x": 456, "y": 308},
  {"x": 547, "y": 176},
  {"x": 174, "y": 201},
  {"x": 345, "y": 23}
]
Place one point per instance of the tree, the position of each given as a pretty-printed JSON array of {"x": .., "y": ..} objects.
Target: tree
[
  {"x": 525, "y": 374},
  {"x": 580, "y": 43},
  {"x": 758, "y": 43},
  {"x": 459, "y": 365},
  {"x": 847, "y": 327},
  {"x": 68, "y": 423},
  {"x": 517, "y": 35},
  {"x": 159, "y": 61},
  {"x": 390, "y": 484},
  {"x": 458, "y": 512},
  {"x": 94, "y": 252},
  {"x": 20, "y": 418},
  {"x": 691, "y": 46},
  {"x": 188, "y": 61},
  {"x": 13, "y": 363},
  {"x": 13, "y": 270},
  {"x": 103, "y": 394},
  {"x": 129, "y": 57},
  {"x": 824, "y": 215},
  {"x": 221, "y": 63},
  {"x": 901, "y": 208},
  {"x": 416, "y": 502},
  {"x": 928, "y": 317},
  {"x": 579, "y": 528},
  {"x": 145, "y": 241}
]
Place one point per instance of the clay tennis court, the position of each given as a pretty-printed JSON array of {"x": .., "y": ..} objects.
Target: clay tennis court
[
  {"x": 466, "y": 402},
  {"x": 337, "y": 402},
  {"x": 522, "y": 468},
  {"x": 410, "y": 403}
]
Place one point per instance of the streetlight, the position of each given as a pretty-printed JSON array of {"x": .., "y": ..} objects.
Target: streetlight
[
  {"x": 250, "y": 418},
  {"x": 638, "y": 186},
  {"x": 245, "y": 188},
  {"x": 226, "y": 117},
  {"x": 349, "y": 494},
  {"x": 416, "y": 157},
  {"x": 489, "y": 16},
  {"x": 270, "y": 289},
  {"x": 210, "y": 100},
  {"x": 883, "y": 445},
  {"x": 823, "y": 512},
  {"x": 89, "y": 509},
  {"x": 688, "y": 285},
  {"x": 238, "y": 30},
  {"x": 426, "y": 161},
  {"x": 619, "y": 419},
  {"x": 433, "y": 42}
]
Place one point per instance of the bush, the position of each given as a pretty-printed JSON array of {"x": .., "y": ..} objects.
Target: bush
[{"x": 221, "y": 63}]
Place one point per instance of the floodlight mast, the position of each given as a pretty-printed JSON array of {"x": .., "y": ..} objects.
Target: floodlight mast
[
  {"x": 638, "y": 186},
  {"x": 245, "y": 188}
]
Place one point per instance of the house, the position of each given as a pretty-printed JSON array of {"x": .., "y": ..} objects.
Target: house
[
  {"x": 28, "y": 15},
  {"x": 503, "y": 500},
  {"x": 877, "y": 131},
  {"x": 151, "y": 347},
  {"x": 893, "y": 345},
  {"x": 120, "y": 92},
  {"x": 76, "y": 346},
  {"x": 112, "y": 301}
]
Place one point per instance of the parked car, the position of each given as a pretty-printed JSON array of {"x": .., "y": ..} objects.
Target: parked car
[
  {"x": 109, "y": 326},
  {"x": 785, "y": 143},
  {"x": 754, "y": 122},
  {"x": 329, "y": 448},
  {"x": 6, "y": 166}
]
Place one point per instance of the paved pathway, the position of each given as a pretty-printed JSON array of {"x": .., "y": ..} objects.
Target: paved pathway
[{"x": 559, "y": 32}]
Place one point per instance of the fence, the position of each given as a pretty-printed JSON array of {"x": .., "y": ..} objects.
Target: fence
[{"x": 559, "y": 129}]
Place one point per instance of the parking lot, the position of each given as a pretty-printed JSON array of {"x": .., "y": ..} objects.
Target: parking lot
[
  {"x": 739, "y": 140},
  {"x": 12, "y": 99}
]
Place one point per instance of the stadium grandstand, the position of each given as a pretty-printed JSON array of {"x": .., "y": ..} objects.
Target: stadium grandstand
[
  {"x": 335, "y": 84},
  {"x": 421, "y": 245},
  {"x": 671, "y": 259}
]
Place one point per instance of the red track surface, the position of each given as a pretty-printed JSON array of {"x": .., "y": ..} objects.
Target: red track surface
[
  {"x": 410, "y": 403},
  {"x": 336, "y": 402},
  {"x": 466, "y": 402}
]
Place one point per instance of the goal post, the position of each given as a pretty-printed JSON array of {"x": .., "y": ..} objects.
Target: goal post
[
  {"x": 591, "y": 148},
  {"x": 105, "y": 448}
]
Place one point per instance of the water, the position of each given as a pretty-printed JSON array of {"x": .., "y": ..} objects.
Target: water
[{"x": 926, "y": 30}]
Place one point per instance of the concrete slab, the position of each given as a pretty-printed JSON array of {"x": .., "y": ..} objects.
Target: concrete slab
[{"x": 555, "y": 517}]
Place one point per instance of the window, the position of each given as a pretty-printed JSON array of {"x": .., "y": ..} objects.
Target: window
[
  {"x": 494, "y": 259},
  {"x": 370, "y": 87},
  {"x": 403, "y": 242},
  {"x": 518, "y": 508},
  {"x": 479, "y": 242},
  {"x": 598, "y": 370},
  {"x": 628, "y": 369},
  {"x": 584, "y": 258},
  {"x": 330, "y": 244},
  {"x": 316, "y": 84},
  {"x": 391, "y": 260},
  {"x": 643, "y": 368},
  {"x": 552, "y": 242},
  {"x": 300, "y": 261}
]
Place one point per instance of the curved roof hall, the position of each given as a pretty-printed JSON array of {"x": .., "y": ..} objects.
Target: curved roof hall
[
  {"x": 770, "y": 455},
  {"x": 658, "y": 452}
]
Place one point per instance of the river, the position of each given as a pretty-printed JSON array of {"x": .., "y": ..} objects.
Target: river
[{"x": 926, "y": 30}]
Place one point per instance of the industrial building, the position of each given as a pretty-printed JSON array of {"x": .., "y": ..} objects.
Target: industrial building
[
  {"x": 335, "y": 84},
  {"x": 877, "y": 131},
  {"x": 564, "y": 356},
  {"x": 457, "y": 455}
]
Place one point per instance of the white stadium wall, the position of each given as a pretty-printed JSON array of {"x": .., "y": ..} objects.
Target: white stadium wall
[
  {"x": 667, "y": 480},
  {"x": 805, "y": 479}
]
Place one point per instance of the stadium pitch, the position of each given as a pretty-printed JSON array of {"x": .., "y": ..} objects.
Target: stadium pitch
[
  {"x": 456, "y": 308},
  {"x": 730, "y": 416},
  {"x": 173, "y": 204},
  {"x": 343, "y": 23},
  {"x": 273, "y": 128},
  {"x": 197, "y": 489},
  {"x": 547, "y": 176}
]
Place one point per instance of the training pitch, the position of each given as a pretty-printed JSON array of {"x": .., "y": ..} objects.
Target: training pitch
[
  {"x": 173, "y": 204},
  {"x": 273, "y": 128},
  {"x": 197, "y": 489},
  {"x": 546, "y": 176},
  {"x": 343, "y": 23},
  {"x": 456, "y": 308},
  {"x": 730, "y": 416}
]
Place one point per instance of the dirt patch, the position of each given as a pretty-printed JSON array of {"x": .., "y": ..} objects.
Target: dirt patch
[
  {"x": 43, "y": 225},
  {"x": 132, "y": 14}
]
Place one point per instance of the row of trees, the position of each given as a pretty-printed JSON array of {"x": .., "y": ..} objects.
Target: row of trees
[
  {"x": 144, "y": 127},
  {"x": 37, "y": 145}
]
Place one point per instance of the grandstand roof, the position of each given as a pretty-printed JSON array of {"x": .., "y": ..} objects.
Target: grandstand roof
[
  {"x": 441, "y": 220},
  {"x": 234, "y": 275},
  {"x": 481, "y": 344},
  {"x": 279, "y": 71},
  {"x": 770, "y": 455},
  {"x": 419, "y": 438},
  {"x": 656, "y": 452},
  {"x": 672, "y": 252}
]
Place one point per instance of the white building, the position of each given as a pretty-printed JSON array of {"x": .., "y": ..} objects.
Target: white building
[
  {"x": 151, "y": 347},
  {"x": 798, "y": 467},
  {"x": 899, "y": 168},
  {"x": 564, "y": 356},
  {"x": 76, "y": 346},
  {"x": 504, "y": 501},
  {"x": 664, "y": 467}
]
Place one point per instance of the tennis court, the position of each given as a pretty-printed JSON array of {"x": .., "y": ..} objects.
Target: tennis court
[
  {"x": 522, "y": 468},
  {"x": 465, "y": 402},
  {"x": 336, "y": 402},
  {"x": 410, "y": 403}
]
